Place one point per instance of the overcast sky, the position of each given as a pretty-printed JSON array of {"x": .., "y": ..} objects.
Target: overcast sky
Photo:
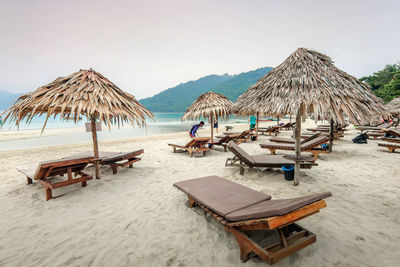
[{"x": 148, "y": 46}]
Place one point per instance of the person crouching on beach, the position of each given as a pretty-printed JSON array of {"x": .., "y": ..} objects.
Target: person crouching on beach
[{"x": 194, "y": 129}]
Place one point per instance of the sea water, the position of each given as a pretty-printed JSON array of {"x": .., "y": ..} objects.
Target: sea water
[{"x": 163, "y": 123}]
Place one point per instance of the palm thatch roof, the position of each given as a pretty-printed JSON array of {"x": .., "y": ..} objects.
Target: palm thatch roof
[
  {"x": 394, "y": 106},
  {"x": 309, "y": 78},
  {"x": 85, "y": 92},
  {"x": 209, "y": 105}
]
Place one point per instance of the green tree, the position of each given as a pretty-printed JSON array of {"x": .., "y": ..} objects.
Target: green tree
[{"x": 385, "y": 83}]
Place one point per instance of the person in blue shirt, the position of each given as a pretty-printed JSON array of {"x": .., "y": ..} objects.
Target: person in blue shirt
[
  {"x": 252, "y": 121},
  {"x": 194, "y": 129}
]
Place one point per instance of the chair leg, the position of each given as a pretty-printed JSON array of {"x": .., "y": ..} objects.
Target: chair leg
[
  {"x": 131, "y": 166},
  {"x": 114, "y": 168},
  {"x": 84, "y": 183},
  {"x": 48, "y": 193},
  {"x": 241, "y": 170},
  {"x": 315, "y": 154},
  {"x": 30, "y": 181}
]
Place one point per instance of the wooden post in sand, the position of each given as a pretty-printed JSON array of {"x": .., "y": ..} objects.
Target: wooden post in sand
[
  {"x": 331, "y": 136},
  {"x": 257, "y": 127},
  {"x": 95, "y": 146},
  {"x": 212, "y": 126},
  {"x": 297, "y": 131}
]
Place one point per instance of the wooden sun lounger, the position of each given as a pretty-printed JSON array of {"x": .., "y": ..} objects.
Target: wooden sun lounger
[
  {"x": 223, "y": 141},
  {"x": 245, "y": 213},
  {"x": 328, "y": 125},
  {"x": 326, "y": 130},
  {"x": 392, "y": 146},
  {"x": 379, "y": 127},
  {"x": 243, "y": 137},
  {"x": 238, "y": 137},
  {"x": 292, "y": 140},
  {"x": 394, "y": 132},
  {"x": 391, "y": 139},
  {"x": 274, "y": 130},
  {"x": 47, "y": 169},
  {"x": 336, "y": 136},
  {"x": 122, "y": 160},
  {"x": 196, "y": 144},
  {"x": 242, "y": 159},
  {"x": 113, "y": 159},
  {"x": 375, "y": 134},
  {"x": 381, "y": 133},
  {"x": 310, "y": 146},
  {"x": 288, "y": 125}
]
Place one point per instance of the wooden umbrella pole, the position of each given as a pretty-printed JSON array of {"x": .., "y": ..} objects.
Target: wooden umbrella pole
[
  {"x": 331, "y": 136},
  {"x": 277, "y": 119},
  {"x": 257, "y": 127},
  {"x": 95, "y": 147},
  {"x": 212, "y": 126},
  {"x": 297, "y": 131}
]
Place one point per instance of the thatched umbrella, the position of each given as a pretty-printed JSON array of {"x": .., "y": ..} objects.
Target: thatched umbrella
[
  {"x": 209, "y": 105},
  {"x": 394, "y": 106},
  {"x": 85, "y": 92},
  {"x": 308, "y": 82}
]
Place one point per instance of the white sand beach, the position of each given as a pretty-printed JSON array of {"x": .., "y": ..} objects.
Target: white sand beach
[{"x": 137, "y": 218}]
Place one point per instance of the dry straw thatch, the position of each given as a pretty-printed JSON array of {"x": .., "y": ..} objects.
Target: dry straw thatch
[
  {"x": 308, "y": 78},
  {"x": 209, "y": 105},
  {"x": 394, "y": 106},
  {"x": 85, "y": 92}
]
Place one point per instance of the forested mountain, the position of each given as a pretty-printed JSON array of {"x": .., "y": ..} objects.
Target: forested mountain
[
  {"x": 178, "y": 98},
  {"x": 385, "y": 83},
  {"x": 7, "y": 99},
  {"x": 238, "y": 84}
]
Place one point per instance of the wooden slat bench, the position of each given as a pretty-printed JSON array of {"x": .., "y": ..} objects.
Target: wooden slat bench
[{"x": 45, "y": 170}]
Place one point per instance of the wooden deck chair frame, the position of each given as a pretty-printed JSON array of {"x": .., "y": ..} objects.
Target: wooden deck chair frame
[
  {"x": 123, "y": 160},
  {"x": 391, "y": 146},
  {"x": 274, "y": 130},
  {"x": 292, "y": 236},
  {"x": 236, "y": 161},
  {"x": 313, "y": 150},
  {"x": 223, "y": 141},
  {"x": 54, "y": 168},
  {"x": 243, "y": 137},
  {"x": 197, "y": 144}
]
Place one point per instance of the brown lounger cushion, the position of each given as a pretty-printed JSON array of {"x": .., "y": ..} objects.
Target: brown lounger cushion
[
  {"x": 220, "y": 195},
  {"x": 123, "y": 156},
  {"x": 102, "y": 154},
  {"x": 238, "y": 151},
  {"x": 272, "y": 208},
  {"x": 305, "y": 146}
]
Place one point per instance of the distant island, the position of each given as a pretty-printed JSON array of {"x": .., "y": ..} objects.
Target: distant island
[{"x": 7, "y": 99}]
